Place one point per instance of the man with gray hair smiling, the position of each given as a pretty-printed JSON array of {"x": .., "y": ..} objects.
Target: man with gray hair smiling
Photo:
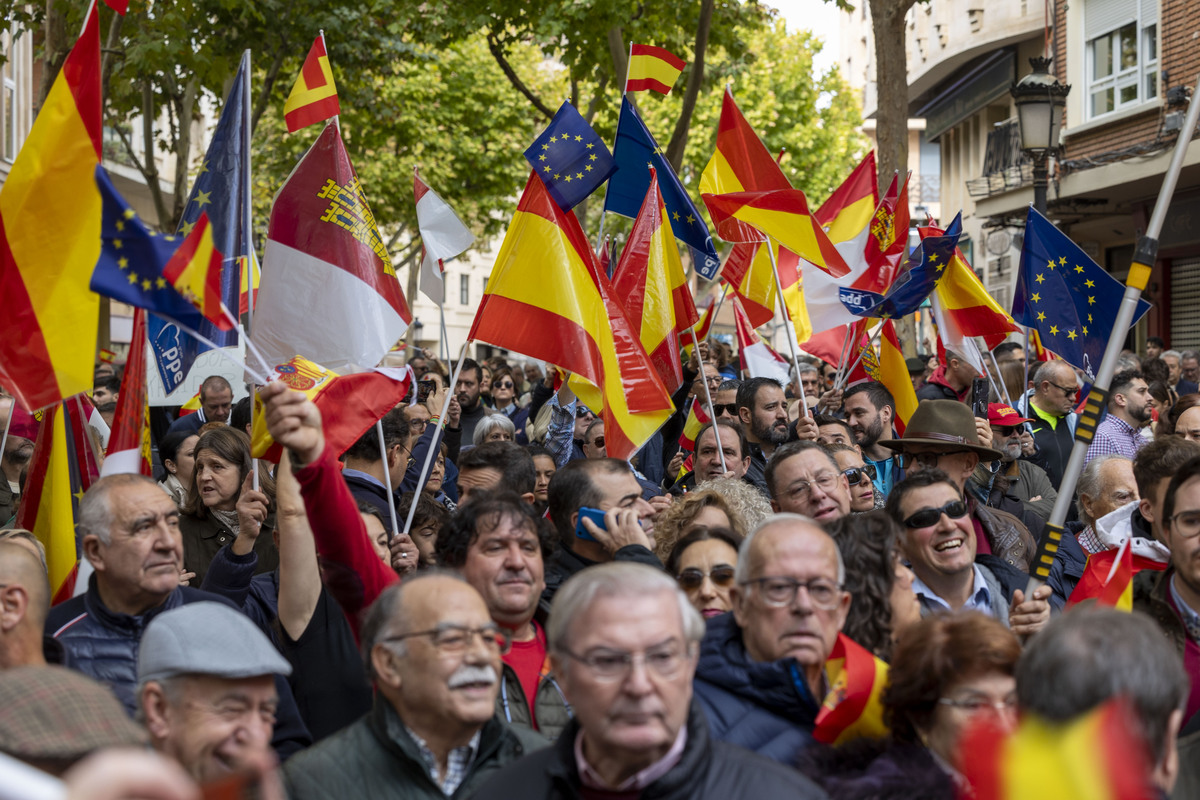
[{"x": 624, "y": 641}]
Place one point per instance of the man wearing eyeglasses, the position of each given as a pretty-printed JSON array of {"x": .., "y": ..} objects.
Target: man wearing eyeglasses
[
  {"x": 624, "y": 641},
  {"x": 1051, "y": 406},
  {"x": 433, "y": 653},
  {"x": 941, "y": 546},
  {"x": 1027, "y": 482},
  {"x": 804, "y": 478}
]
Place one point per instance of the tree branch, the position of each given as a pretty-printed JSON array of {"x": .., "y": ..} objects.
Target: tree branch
[
  {"x": 264, "y": 96},
  {"x": 515, "y": 79},
  {"x": 678, "y": 143},
  {"x": 110, "y": 49},
  {"x": 150, "y": 171},
  {"x": 619, "y": 53}
]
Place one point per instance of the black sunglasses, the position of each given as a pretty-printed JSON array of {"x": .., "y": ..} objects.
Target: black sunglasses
[
  {"x": 598, "y": 441},
  {"x": 1008, "y": 430},
  {"x": 855, "y": 475},
  {"x": 502, "y": 385},
  {"x": 955, "y": 509},
  {"x": 721, "y": 408},
  {"x": 691, "y": 578}
]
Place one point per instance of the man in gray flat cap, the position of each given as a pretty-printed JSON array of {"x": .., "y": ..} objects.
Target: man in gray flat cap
[{"x": 206, "y": 689}]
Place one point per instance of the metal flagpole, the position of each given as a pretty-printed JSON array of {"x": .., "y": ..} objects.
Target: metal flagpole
[
  {"x": 708, "y": 399},
  {"x": 387, "y": 479},
  {"x": 791, "y": 334},
  {"x": 248, "y": 234},
  {"x": 1139, "y": 275},
  {"x": 1002, "y": 391}
]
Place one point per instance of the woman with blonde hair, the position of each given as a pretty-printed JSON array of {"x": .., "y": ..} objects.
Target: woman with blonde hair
[{"x": 721, "y": 503}]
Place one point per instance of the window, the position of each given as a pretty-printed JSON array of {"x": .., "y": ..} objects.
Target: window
[
  {"x": 464, "y": 290},
  {"x": 1122, "y": 54}
]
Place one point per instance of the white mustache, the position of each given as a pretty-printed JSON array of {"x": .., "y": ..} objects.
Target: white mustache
[{"x": 469, "y": 673}]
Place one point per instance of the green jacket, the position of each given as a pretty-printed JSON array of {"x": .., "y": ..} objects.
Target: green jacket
[
  {"x": 551, "y": 709},
  {"x": 376, "y": 758}
]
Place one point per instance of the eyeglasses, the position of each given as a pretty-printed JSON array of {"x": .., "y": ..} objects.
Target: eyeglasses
[
  {"x": 973, "y": 705},
  {"x": 1185, "y": 523},
  {"x": 854, "y": 475},
  {"x": 802, "y": 489},
  {"x": 1067, "y": 391},
  {"x": 455, "y": 639},
  {"x": 725, "y": 408},
  {"x": 598, "y": 441},
  {"x": 691, "y": 578},
  {"x": 417, "y": 425},
  {"x": 925, "y": 460},
  {"x": 955, "y": 509},
  {"x": 502, "y": 385},
  {"x": 714, "y": 380},
  {"x": 1004, "y": 431},
  {"x": 779, "y": 592},
  {"x": 610, "y": 666}
]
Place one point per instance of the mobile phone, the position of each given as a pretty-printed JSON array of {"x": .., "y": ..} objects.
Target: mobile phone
[
  {"x": 424, "y": 389},
  {"x": 979, "y": 397},
  {"x": 597, "y": 518}
]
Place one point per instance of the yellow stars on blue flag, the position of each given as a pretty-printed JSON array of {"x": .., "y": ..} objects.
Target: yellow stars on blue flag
[{"x": 570, "y": 158}]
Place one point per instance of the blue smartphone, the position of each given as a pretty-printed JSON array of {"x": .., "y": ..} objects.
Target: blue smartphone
[{"x": 597, "y": 518}]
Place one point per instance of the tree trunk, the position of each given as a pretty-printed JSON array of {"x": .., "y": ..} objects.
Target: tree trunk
[
  {"x": 149, "y": 165},
  {"x": 678, "y": 143},
  {"x": 620, "y": 54},
  {"x": 56, "y": 47}
]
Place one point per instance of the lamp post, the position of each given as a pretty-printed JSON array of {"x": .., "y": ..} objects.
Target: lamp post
[{"x": 1040, "y": 100}]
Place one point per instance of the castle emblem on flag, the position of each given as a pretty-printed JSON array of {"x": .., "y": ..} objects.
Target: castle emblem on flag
[{"x": 348, "y": 209}]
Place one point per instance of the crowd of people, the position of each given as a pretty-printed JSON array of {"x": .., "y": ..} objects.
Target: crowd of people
[{"x": 558, "y": 623}]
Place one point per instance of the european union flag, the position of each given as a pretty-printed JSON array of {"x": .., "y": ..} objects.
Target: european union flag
[
  {"x": 919, "y": 274},
  {"x": 132, "y": 256},
  {"x": 635, "y": 152},
  {"x": 570, "y": 158},
  {"x": 1066, "y": 297},
  {"x": 217, "y": 191}
]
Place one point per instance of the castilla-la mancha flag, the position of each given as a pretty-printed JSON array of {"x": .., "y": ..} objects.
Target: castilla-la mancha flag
[{"x": 329, "y": 290}]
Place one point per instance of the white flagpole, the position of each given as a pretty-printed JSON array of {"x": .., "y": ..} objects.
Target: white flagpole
[
  {"x": 708, "y": 399},
  {"x": 387, "y": 478},
  {"x": 791, "y": 334}
]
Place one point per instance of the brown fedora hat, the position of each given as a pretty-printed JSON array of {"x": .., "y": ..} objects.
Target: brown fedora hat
[{"x": 946, "y": 423}]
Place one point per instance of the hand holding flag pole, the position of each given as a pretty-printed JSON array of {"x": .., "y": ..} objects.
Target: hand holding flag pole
[{"x": 1139, "y": 274}]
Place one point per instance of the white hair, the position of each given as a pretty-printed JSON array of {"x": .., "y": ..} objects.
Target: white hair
[{"x": 490, "y": 423}]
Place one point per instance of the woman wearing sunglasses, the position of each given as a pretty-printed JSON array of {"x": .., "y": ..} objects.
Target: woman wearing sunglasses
[
  {"x": 703, "y": 562},
  {"x": 505, "y": 389},
  {"x": 860, "y": 475}
]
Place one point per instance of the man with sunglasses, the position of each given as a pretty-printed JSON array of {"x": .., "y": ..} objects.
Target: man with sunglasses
[
  {"x": 939, "y": 541},
  {"x": 1027, "y": 482},
  {"x": 1051, "y": 405},
  {"x": 434, "y": 655}
]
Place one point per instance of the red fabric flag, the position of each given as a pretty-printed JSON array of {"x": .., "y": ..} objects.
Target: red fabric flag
[
  {"x": 129, "y": 444},
  {"x": 852, "y": 708}
]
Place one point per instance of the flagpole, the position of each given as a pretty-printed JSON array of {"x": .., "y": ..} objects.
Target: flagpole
[
  {"x": 247, "y": 239},
  {"x": 792, "y": 335},
  {"x": 424, "y": 476},
  {"x": 1025, "y": 382},
  {"x": 1139, "y": 275},
  {"x": 712, "y": 414},
  {"x": 624, "y": 91},
  {"x": 999, "y": 378},
  {"x": 444, "y": 336},
  {"x": 861, "y": 352},
  {"x": 717, "y": 310},
  {"x": 387, "y": 478}
]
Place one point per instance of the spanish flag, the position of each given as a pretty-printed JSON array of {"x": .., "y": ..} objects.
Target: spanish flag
[
  {"x": 652, "y": 68},
  {"x": 129, "y": 444},
  {"x": 50, "y": 213},
  {"x": 741, "y": 162},
  {"x": 966, "y": 308},
  {"x": 314, "y": 97},
  {"x": 697, "y": 418},
  {"x": 782, "y": 216},
  {"x": 848, "y": 211},
  {"x": 701, "y": 328},
  {"x": 893, "y": 373},
  {"x": 548, "y": 299},
  {"x": 649, "y": 280},
  {"x": 852, "y": 708},
  {"x": 1108, "y": 577},
  {"x": 195, "y": 272},
  {"x": 747, "y": 271}
]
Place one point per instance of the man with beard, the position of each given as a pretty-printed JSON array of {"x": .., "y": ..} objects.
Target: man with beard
[
  {"x": 104, "y": 398},
  {"x": 762, "y": 409},
  {"x": 1128, "y": 410},
  {"x": 470, "y": 380},
  {"x": 18, "y": 450},
  {"x": 1027, "y": 482},
  {"x": 869, "y": 410}
]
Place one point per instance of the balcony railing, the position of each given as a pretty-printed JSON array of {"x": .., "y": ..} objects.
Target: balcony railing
[{"x": 1005, "y": 167}]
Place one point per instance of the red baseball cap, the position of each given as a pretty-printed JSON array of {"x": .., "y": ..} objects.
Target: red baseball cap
[{"x": 1003, "y": 415}]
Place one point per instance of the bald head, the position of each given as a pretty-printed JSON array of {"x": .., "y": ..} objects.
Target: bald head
[
  {"x": 1055, "y": 388},
  {"x": 24, "y": 603}
]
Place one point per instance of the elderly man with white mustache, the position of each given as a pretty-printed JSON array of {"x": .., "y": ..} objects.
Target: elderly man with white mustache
[{"x": 433, "y": 652}]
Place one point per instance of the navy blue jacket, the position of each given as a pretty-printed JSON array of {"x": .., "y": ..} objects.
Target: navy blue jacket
[
  {"x": 103, "y": 645},
  {"x": 766, "y": 707}
]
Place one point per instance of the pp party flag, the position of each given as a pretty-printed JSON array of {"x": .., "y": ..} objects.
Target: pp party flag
[
  {"x": 852, "y": 708},
  {"x": 893, "y": 373},
  {"x": 129, "y": 444},
  {"x": 443, "y": 235},
  {"x": 748, "y": 273},
  {"x": 654, "y": 291},
  {"x": 652, "y": 68},
  {"x": 314, "y": 96},
  {"x": 349, "y": 404},
  {"x": 570, "y": 158},
  {"x": 218, "y": 192},
  {"x": 1097, "y": 756},
  {"x": 1066, "y": 297},
  {"x": 697, "y": 418},
  {"x": 780, "y": 215},
  {"x": 636, "y": 152},
  {"x": 548, "y": 299},
  {"x": 758, "y": 360},
  {"x": 132, "y": 258},
  {"x": 329, "y": 289},
  {"x": 965, "y": 307},
  {"x": 50, "y": 238},
  {"x": 195, "y": 272},
  {"x": 921, "y": 271}
]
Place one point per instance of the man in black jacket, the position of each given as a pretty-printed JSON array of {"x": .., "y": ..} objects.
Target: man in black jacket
[
  {"x": 364, "y": 472},
  {"x": 624, "y": 640}
]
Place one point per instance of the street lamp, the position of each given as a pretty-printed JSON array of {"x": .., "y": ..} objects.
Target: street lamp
[{"x": 1040, "y": 100}]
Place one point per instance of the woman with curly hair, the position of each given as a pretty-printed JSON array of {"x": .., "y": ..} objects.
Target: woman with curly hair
[
  {"x": 878, "y": 580},
  {"x": 714, "y": 506}
]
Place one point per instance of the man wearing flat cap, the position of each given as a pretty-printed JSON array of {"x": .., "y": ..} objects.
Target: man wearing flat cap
[{"x": 206, "y": 689}]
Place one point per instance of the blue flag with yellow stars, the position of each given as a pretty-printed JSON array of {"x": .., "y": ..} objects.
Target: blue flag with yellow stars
[
  {"x": 570, "y": 158},
  {"x": 1066, "y": 297},
  {"x": 636, "y": 152},
  {"x": 217, "y": 191},
  {"x": 918, "y": 276},
  {"x": 132, "y": 257}
]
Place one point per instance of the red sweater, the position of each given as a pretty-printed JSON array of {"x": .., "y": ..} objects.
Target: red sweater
[{"x": 353, "y": 572}]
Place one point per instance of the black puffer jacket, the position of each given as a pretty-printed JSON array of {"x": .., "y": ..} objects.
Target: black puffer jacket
[{"x": 708, "y": 769}]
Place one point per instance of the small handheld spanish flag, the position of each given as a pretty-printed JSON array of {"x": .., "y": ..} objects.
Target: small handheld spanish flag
[
  {"x": 195, "y": 272},
  {"x": 853, "y": 708},
  {"x": 314, "y": 97},
  {"x": 652, "y": 68}
]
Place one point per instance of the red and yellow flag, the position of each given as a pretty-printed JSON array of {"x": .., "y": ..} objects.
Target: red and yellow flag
[
  {"x": 852, "y": 709},
  {"x": 50, "y": 213},
  {"x": 701, "y": 328},
  {"x": 195, "y": 272},
  {"x": 652, "y": 68},
  {"x": 849, "y": 209},
  {"x": 741, "y": 162},
  {"x": 129, "y": 444},
  {"x": 893, "y": 373},
  {"x": 650, "y": 281},
  {"x": 548, "y": 299},
  {"x": 314, "y": 96},
  {"x": 966, "y": 307},
  {"x": 888, "y": 239},
  {"x": 697, "y": 418},
  {"x": 781, "y": 215},
  {"x": 1108, "y": 577},
  {"x": 747, "y": 271}
]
